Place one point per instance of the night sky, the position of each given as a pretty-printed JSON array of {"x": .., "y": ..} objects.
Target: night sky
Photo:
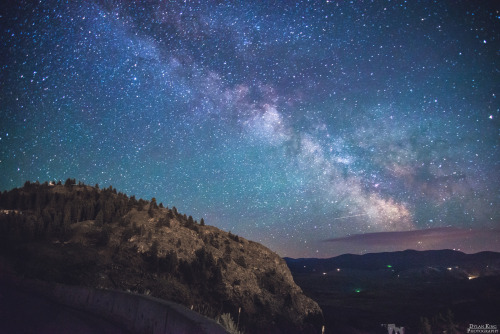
[{"x": 297, "y": 124}]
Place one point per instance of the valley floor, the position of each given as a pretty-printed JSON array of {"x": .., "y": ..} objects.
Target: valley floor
[{"x": 357, "y": 303}]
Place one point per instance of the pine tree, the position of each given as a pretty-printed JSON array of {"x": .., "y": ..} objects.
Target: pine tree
[
  {"x": 450, "y": 326},
  {"x": 69, "y": 182},
  {"x": 153, "y": 255},
  {"x": 109, "y": 210},
  {"x": 425, "y": 326},
  {"x": 99, "y": 219},
  {"x": 104, "y": 235},
  {"x": 152, "y": 207},
  {"x": 67, "y": 215},
  {"x": 140, "y": 204},
  {"x": 169, "y": 263}
]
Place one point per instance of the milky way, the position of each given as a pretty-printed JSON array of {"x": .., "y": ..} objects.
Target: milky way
[{"x": 288, "y": 123}]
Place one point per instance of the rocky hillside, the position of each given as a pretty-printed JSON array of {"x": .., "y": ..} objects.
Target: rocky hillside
[{"x": 83, "y": 235}]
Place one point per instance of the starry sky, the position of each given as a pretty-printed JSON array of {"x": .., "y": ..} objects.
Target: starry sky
[{"x": 297, "y": 124}]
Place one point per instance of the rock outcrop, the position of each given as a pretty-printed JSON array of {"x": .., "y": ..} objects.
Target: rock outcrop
[{"x": 85, "y": 236}]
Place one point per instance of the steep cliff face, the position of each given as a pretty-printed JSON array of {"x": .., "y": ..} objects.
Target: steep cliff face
[
  {"x": 252, "y": 277},
  {"x": 107, "y": 240}
]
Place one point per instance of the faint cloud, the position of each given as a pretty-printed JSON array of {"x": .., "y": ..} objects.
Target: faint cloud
[{"x": 466, "y": 240}]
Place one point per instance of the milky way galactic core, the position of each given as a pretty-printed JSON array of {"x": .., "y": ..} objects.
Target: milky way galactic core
[{"x": 291, "y": 123}]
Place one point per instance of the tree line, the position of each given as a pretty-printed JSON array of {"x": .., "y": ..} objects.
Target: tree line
[{"x": 40, "y": 211}]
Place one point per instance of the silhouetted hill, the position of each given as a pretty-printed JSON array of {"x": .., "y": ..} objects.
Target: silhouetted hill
[
  {"x": 443, "y": 290},
  {"x": 82, "y": 235}
]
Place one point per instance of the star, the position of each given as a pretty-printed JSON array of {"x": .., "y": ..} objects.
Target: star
[{"x": 286, "y": 123}]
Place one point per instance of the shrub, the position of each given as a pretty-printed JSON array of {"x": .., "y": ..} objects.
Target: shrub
[
  {"x": 241, "y": 261},
  {"x": 226, "y": 321}
]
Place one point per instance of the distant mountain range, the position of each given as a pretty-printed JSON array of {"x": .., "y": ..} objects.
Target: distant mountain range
[{"x": 485, "y": 262}]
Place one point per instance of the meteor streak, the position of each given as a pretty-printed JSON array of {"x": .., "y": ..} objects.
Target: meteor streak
[{"x": 344, "y": 217}]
